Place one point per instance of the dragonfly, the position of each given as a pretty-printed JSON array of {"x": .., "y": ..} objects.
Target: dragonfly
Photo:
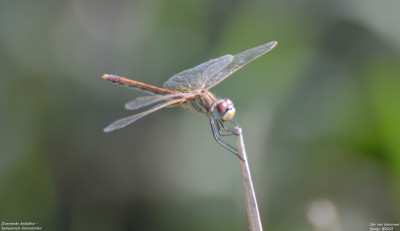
[{"x": 190, "y": 88}]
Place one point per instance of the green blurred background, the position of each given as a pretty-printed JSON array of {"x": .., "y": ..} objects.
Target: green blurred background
[{"x": 320, "y": 114}]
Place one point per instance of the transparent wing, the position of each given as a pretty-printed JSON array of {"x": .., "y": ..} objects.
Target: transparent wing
[
  {"x": 148, "y": 100},
  {"x": 196, "y": 78},
  {"x": 128, "y": 120},
  {"x": 238, "y": 62}
]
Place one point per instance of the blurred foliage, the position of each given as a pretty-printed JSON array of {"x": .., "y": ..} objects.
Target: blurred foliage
[{"x": 320, "y": 114}]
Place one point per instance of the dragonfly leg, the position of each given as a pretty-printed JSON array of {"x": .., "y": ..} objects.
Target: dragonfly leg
[
  {"x": 217, "y": 130},
  {"x": 225, "y": 131}
]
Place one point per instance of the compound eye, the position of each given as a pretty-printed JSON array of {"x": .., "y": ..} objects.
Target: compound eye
[{"x": 225, "y": 109}]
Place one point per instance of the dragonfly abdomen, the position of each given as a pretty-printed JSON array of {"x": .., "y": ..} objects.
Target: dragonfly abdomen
[{"x": 137, "y": 85}]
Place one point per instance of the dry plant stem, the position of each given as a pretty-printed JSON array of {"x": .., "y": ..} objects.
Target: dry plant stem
[{"x": 251, "y": 202}]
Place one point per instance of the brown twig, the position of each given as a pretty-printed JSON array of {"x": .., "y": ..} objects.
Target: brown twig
[{"x": 251, "y": 202}]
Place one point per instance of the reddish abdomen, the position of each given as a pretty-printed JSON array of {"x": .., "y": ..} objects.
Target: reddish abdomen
[{"x": 137, "y": 85}]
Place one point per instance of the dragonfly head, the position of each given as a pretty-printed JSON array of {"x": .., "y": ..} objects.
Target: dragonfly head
[{"x": 224, "y": 110}]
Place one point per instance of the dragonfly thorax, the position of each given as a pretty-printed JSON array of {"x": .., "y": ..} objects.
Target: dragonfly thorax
[{"x": 224, "y": 110}]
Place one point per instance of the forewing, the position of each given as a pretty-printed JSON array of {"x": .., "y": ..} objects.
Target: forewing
[
  {"x": 128, "y": 120},
  {"x": 238, "y": 62},
  {"x": 148, "y": 100},
  {"x": 197, "y": 77}
]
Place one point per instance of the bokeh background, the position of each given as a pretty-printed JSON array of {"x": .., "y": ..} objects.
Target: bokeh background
[{"x": 320, "y": 114}]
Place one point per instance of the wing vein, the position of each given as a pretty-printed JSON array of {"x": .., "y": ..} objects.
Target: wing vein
[{"x": 130, "y": 119}]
